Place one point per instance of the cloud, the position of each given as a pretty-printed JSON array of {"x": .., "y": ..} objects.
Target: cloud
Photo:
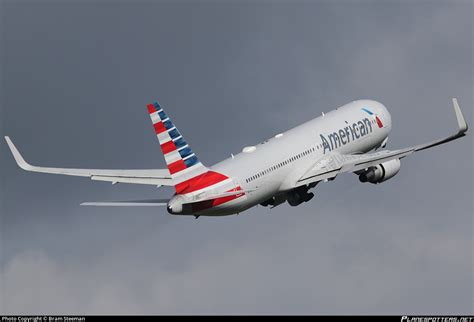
[{"x": 347, "y": 268}]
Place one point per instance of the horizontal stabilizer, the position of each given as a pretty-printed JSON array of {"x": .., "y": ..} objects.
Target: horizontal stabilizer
[{"x": 131, "y": 203}]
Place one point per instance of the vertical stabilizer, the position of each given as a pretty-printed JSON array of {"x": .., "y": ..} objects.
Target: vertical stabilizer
[{"x": 182, "y": 163}]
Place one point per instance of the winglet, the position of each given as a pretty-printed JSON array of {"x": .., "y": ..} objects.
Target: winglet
[
  {"x": 463, "y": 127},
  {"x": 16, "y": 154}
]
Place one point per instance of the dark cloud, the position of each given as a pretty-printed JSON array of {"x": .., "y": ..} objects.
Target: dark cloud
[{"x": 75, "y": 80}]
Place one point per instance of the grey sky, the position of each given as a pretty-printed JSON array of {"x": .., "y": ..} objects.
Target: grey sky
[{"x": 76, "y": 77}]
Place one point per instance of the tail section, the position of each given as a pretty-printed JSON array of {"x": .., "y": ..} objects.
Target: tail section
[
  {"x": 190, "y": 177},
  {"x": 182, "y": 163}
]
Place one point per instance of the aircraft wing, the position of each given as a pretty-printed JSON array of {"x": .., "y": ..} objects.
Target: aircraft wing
[
  {"x": 159, "y": 177},
  {"x": 330, "y": 166}
]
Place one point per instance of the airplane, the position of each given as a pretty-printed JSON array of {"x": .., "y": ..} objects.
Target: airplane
[{"x": 281, "y": 169}]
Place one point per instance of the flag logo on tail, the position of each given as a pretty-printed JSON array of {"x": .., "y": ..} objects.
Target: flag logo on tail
[
  {"x": 189, "y": 174},
  {"x": 179, "y": 157}
]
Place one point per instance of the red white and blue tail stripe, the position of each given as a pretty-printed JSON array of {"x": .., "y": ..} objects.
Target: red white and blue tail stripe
[
  {"x": 181, "y": 161},
  {"x": 190, "y": 176}
]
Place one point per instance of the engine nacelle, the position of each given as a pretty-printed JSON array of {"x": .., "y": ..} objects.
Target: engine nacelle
[
  {"x": 381, "y": 172},
  {"x": 299, "y": 195},
  {"x": 274, "y": 201}
]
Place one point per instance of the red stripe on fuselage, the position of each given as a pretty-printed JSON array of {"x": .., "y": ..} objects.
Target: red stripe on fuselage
[
  {"x": 220, "y": 201},
  {"x": 151, "y": 108},
  {"x": 159, "y": 127},
  {"x": 176, "y": 166},
  {"x": 379, "y": 122},
  {"x": 168, "y": 147},
  {"x": 203, "y": 205},
  {"x": 201, "y": 181}
]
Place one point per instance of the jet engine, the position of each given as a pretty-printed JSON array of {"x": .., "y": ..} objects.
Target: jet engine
[
  {"x": 381, "y": 172},
  {"x": 299, "y": 195},
  {"x": 275, "y": 200},
  {"x": 294, "y": 197}
]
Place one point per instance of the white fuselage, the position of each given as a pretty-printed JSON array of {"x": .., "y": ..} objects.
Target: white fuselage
[{"x": 268, "y": 169}]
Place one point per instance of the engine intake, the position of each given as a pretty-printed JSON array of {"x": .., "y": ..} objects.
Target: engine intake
[
  {"x": 381, "y": 172},
  {"x": 299, "y": 195}
]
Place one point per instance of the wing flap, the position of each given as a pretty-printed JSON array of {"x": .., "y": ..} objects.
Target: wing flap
[{"x": 135, "y": 180}]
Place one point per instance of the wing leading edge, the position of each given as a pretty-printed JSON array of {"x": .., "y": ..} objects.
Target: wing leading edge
[
  {"x": 159, "y": 177},
  {"x": 333, "y": 164}
]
